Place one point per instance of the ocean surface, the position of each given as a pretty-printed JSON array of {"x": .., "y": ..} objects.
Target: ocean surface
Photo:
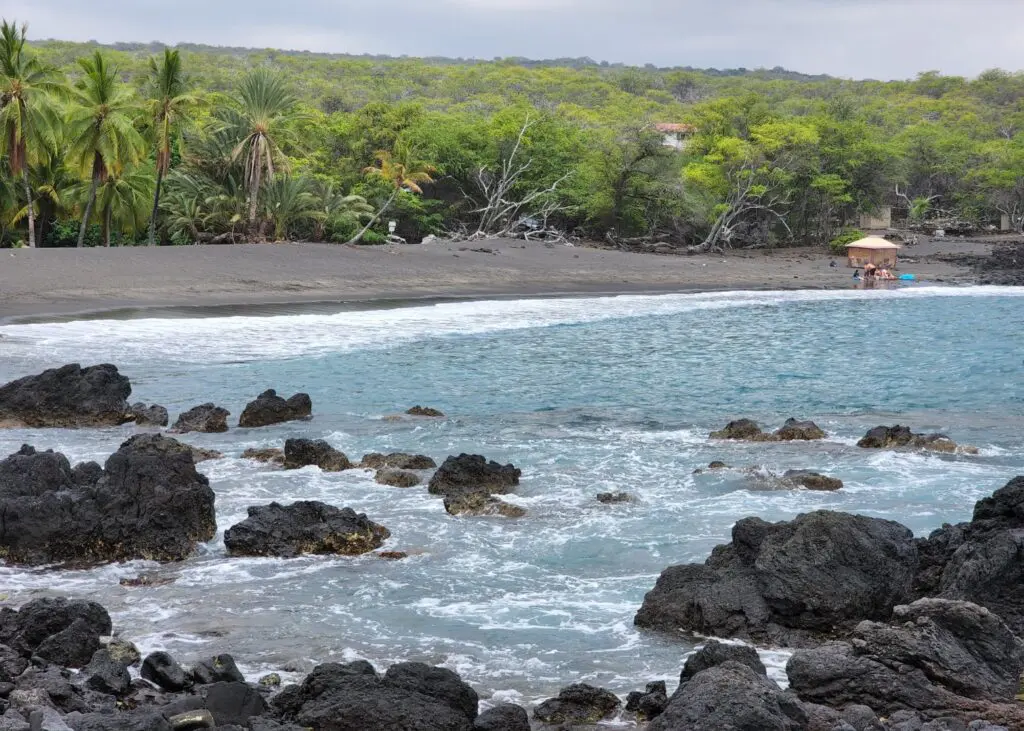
[{"x": 586, "y": 395}]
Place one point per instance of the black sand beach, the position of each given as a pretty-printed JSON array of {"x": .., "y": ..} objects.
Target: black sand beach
[{"x": 49, "y": 282}]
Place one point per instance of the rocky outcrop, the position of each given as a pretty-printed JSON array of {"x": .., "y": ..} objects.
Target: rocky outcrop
[
  {"x": 425, "y": 411},
  {"x": 900, "y": 437},
  {"x": 790, "y": 582},
  {"x": 353, "y": 697},
  {"x": 578, "y": 704},
  {"x": 799, "y": 431},
  {"x": 473, "y": 472},
  {"x": 398, "y": 461},
  {"x": 65, "y": 632},
  {"x": 269, "y": 408},
  {"x": 206, "y": 418},
  {"x": 740, "y": 429},
  {"x": 468, "y": 484},
  {"x": 67, "y": 397},
  {"x": 714, "y": 653},
  {"x": 164, "y": 671},
  {"x": 396, "y": 478},
  {"x": 649, "y": 703},
  {"x": 147, "y": 502},
  {"x": 937, "y": 657},
  {"x": 267, "y": 455},
  {"x": 300, "y": 453},
  {"x": 748, "y": 431},
  {"x": 43, "y": 693},
  {"x": 503, "y": 717},
  {"x": 981, "y": 561},
  {"x": 303, "y": 527},
  {"x": 154, "y": 415},
  {"x": 731, "y": 696}
]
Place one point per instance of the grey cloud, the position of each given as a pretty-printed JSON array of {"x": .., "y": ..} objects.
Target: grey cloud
[{"x": 853, "y": 38}]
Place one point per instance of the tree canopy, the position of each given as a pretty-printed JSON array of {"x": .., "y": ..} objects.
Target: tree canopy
[{"x": 263, "y": 145}]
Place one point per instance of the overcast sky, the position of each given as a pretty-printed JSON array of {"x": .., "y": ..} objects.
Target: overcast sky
[{"x": 853, "y": 38}]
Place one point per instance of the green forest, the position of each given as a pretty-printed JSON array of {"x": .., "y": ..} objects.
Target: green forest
[{"x": 142, "y": 144}]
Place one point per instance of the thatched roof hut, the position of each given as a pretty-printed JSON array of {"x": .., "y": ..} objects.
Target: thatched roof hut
[{"x": 872, "y": 250}]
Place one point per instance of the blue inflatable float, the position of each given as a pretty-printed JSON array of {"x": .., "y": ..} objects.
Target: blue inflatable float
[{"x": 907, "y": 277}]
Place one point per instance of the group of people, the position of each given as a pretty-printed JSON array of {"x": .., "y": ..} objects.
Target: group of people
[{"x": 871, "y": 272}]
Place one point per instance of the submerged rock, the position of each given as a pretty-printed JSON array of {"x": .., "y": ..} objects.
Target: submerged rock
[
  {"x": 787, "y": 583},
  {"x": 812, "y": 480},
  {"x": 398, "y": 461},
  {"x": 268, "y": 455},
  {"x": 472, "y": 471},
  {"x": 206, "y": 418},
  {"x": 397, "y": 478},
  {"x": 650, "y": 703},
  {"x": 614, "y": 497},
  {"x": 478, "y": 503},
  {"x": 425, "y": 411},
  {"x": 305, "y": 452},
  {"x": 200, "y": 454},
  {"x": 269, "y": 408},
  {"x": 148, "y": 502},
  {"x": 67, "y": 397},
  {"x": 303, "y": 527},
  {"x": 154, "y": 415},
  {"x": 577, "y": 704}
]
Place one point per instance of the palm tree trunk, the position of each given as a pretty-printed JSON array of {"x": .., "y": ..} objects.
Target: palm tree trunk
[
  {"x": 254, "y": 195},
  {"x": 31, "y": 208},
  {"x": 107, "y": 214},
  {"x": 156, "y": 205},
  {"x": 88, "y": 210},
  {"x": 359, "y": 236}
]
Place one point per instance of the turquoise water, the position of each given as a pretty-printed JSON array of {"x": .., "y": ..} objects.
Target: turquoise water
[{"x": 586, "y": 395}]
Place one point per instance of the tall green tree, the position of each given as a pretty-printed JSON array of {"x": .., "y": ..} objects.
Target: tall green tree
[
  {"x": 258, "y": 121},
  {"x": 101, "y": 128},
  {"x": 26, "y": 110},
  {"x": 171, "y": 105}
]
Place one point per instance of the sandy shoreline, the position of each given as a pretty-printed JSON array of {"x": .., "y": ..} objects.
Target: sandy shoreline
[{"x": 63, "y": 282}]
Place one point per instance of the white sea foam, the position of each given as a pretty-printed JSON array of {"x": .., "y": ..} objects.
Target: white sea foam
[{"x": 241, "y": 338}]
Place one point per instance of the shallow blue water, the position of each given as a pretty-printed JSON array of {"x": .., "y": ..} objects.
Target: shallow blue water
[{"x": 586, "y": 395}]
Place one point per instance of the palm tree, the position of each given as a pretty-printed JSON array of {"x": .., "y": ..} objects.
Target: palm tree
[
  {"x": 258, "y": 124},
  {"x": 335, "y": 208},
  {"x": 399, "y": 176},
  {"x": 123, "y": 202},
  {"x": 101, "y": 128},
  {"x": 170, "y": 104},
  {"x": 26, "y": 113},
  {"x": 289, "y": 201}
]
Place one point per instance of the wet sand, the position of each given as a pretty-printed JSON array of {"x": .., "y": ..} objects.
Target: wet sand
[{"x": 55, "y": 282}]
